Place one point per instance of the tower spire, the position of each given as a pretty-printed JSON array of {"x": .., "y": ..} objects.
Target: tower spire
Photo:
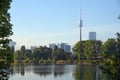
[
  {"x": 80, "y": 24},
  {"x": 81, "y": 17}
]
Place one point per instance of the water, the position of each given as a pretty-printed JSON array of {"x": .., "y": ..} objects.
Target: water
[{"x": 55, "y": 72}]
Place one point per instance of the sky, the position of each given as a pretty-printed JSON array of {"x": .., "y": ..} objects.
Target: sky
[{"x": 40, "y": 22}]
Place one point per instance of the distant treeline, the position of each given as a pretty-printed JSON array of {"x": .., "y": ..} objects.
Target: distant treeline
[{"x": 42, "y": 53}]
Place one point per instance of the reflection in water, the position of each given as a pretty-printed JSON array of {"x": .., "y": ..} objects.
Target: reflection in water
[
  {"x": 74, "y": 72},
  {"x": 89, "y": 72},
  {"x": 42, "y": 70},
  {"x": 17, "y": 69},
  {"x": 98, "y": 73},
  {"x": 59, "y": 70}
]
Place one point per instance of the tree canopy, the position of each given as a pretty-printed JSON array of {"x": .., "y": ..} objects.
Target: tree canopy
[
  {"x": 88, "y": 48},
  {"x": 110, "y": 63},
  {"x": 6, "y": 55}
]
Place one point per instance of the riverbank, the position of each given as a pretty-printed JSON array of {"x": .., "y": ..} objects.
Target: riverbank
[{"x": 54, "y": 61}]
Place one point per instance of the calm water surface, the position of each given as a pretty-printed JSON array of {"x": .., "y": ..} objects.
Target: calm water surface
[{"x": 55, "y": 72}]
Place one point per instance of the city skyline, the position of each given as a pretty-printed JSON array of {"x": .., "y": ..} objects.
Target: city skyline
[{"x": 42, "y": 22}]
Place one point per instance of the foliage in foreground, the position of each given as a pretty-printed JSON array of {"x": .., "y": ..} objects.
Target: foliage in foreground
[
  {"x": 6, "y": 55},
  {"x": 111, "y": 58}
]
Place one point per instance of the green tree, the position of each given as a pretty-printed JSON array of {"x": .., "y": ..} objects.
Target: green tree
[
  {"x": 60, "y": 54},
  {"x": 78, "y": 48},
  {"x": 42, "y": 53},
  {"x": 98, "y": 48},
  {"x": 17, "y": 55},
  {"x": 28, "y": 54},
  {"x": 6, "y": 56},
  {"x": 36, "y": 53},
  {"x": 55, "y": 52},
  {"x": 68, "y": 55},
  {"x": 89, "y": 49},
  {"x": 111, "y": 58},
  {"x": 22, "y": 52},
  {"x": 92, "y": 48}
]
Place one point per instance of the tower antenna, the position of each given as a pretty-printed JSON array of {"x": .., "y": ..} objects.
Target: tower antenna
[{"x": 80, "y": 24}]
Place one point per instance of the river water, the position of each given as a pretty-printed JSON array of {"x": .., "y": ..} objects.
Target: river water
[{"x": 55, "y": 72}]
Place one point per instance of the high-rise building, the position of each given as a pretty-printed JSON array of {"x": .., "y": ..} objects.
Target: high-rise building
[
  {"x": 64, "y": 46},
  {"x": 52, "y": 46},
  {"x": 12, "y": 45},
  {"x": 61, "y": 45},
  {"x": 67, "y": 48},
  {"x": 92, "y": 35}
]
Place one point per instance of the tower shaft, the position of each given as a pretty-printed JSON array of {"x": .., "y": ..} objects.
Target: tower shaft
[
  {"x": 80, "y": 25},
  {"x": 80, "y": 33}
]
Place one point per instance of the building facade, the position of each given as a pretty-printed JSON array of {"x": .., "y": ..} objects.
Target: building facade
[
  {"x": 64, "y": 46},
  {"x": 67, "y": 48},
  {"x": 12, "y": 45},
  {"x": 52, "y": 46},
  {"x": 92, "y": 35}
]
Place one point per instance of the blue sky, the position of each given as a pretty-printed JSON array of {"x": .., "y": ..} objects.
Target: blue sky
[{"x": 40, "y": 22}]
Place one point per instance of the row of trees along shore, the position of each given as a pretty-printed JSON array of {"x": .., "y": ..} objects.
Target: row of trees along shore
[
  {"x": 42, "y": 53},
  {"x": 85, "y": 50}
]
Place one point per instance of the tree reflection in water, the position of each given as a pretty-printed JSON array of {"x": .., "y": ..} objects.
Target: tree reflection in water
[
  {"x": 80, "y": 72},
  {"x": 42, "y": 70},
  {"x": 89, "y": 72},
  {"x": 17, "y": 69},
  {"x": 59, "y": 70}
]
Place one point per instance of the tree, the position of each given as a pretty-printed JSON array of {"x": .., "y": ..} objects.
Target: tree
[
  {"x": 92, "y": 48},
  {"x": 28, "y": 54},
  {"x": 60, "y": 54},
  {"x": 55, "y": 52},
  {"x": 88, "y": 48},
  {"x": 17, "y": 55},
  {"x": 22, "y": 52},
  {"x": 111, "y": 58},
  {"x": 6, "y": 56},
  {"x": 42, "y": 53},
  {"x": 78, "y": 48}
]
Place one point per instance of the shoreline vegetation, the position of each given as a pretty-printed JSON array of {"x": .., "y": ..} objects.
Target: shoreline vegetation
[{"x": 54, "y": 62}]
